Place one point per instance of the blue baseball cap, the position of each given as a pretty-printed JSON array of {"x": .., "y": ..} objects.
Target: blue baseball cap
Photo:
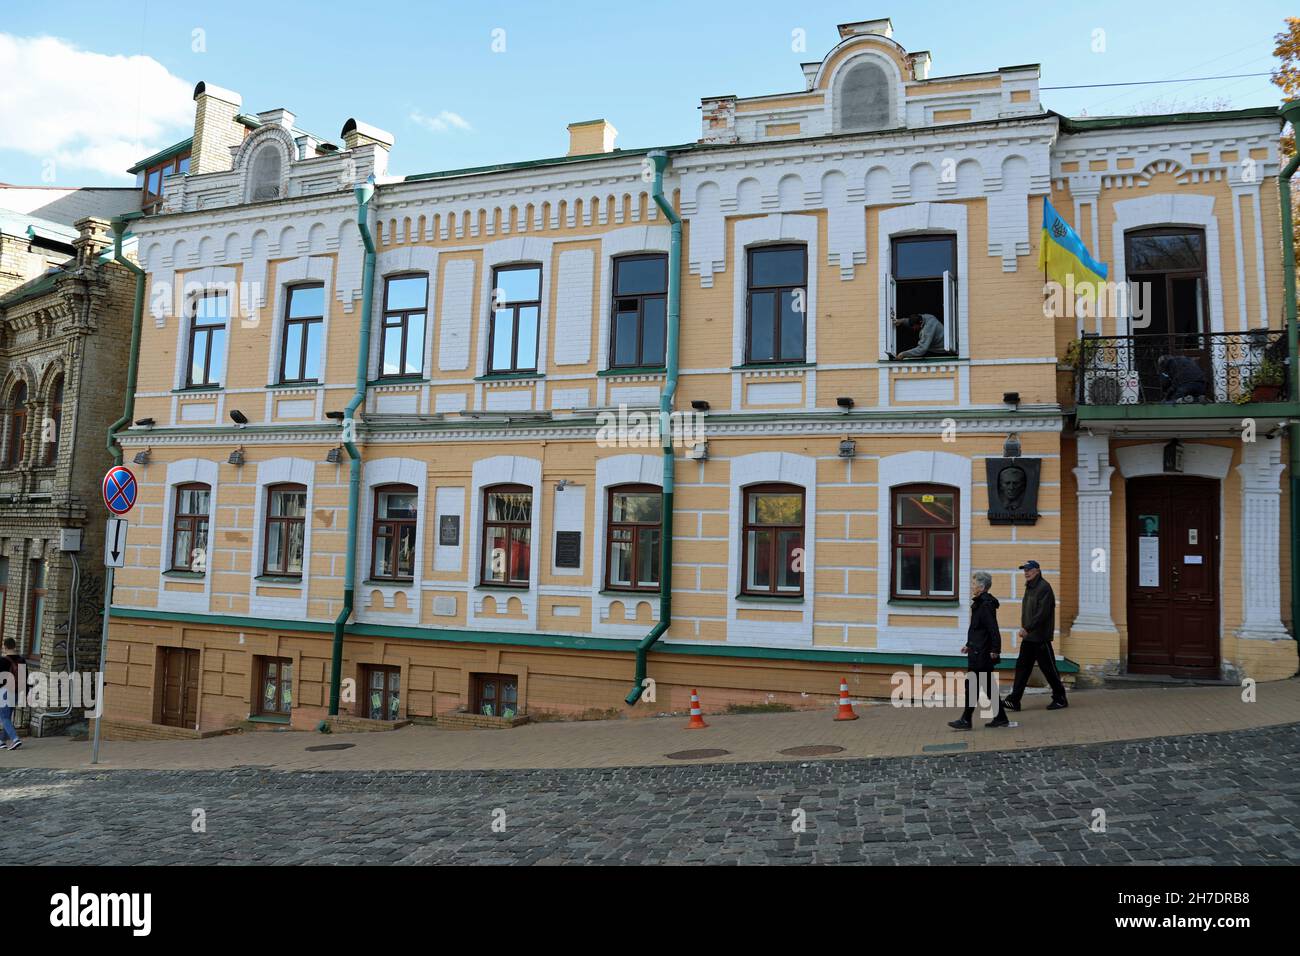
[{"x": 1029, "y": 564}]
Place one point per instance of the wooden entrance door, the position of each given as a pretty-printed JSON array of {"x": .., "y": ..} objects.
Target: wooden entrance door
[
  {"x": 180, "y": 687},
  {"x": 1173, "y": 576}
]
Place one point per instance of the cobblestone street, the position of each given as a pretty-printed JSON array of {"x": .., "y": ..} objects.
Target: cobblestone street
[{"x": 1226, "y": 798}]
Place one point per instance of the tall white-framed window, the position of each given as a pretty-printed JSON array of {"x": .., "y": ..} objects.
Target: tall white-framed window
[
  {"x": 923, "y": 285},
  {"x": 207, "y": 329},
  {"x": 506, "y": 502},
  {"x": 918, "y": 222},
  {"x": 403, "y": 322},
  {"x": 188, "y": 551},
  {"x": 391, "y": 536}
]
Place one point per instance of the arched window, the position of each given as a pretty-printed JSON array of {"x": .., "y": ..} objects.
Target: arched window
[
  {"x": 286, "y": 525},
  {"x": 632, "y": 553},
  {"x": 864, "y": 98},
  {"x": 55, "y": 415},
  {"x": 923, "y": 522},
  {"x": 393, "y": 545},
  {"x": 190, "y": 528},
  {"x": 507, "y": 535},
  {"x": 772, "y": 541},
  {"x": 17, "y": 425},
  {"x": 264, "y": 174}
]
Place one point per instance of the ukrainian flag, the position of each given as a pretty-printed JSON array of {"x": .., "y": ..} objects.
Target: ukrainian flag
[{"x": 1061, "y": 252}]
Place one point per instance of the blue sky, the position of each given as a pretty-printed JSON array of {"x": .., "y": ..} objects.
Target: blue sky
[{"x": 427, "y": 71}]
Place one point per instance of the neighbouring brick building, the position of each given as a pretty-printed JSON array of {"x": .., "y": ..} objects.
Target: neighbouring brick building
[
  {"x": 65, "y": 322},
  {"x": 506, "y": 554}
]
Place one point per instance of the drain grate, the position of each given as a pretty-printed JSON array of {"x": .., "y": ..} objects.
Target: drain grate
[
  {"x": 696, "y": 754},
  {"x": 319, "y": 747},
  {"x": 812, "y": 750}
]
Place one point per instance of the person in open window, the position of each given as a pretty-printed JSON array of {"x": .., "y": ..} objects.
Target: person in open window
[
  {"x": 929, "y": 335},
  {"x": 1181, "y": 377}
]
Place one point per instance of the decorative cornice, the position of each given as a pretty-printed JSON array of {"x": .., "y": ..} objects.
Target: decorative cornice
[{"x": 716, "y": 426}]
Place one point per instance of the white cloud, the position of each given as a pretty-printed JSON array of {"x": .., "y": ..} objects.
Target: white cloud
[
  {"x": 444, "y": 122},
  {"x": 88, "y": 111}
]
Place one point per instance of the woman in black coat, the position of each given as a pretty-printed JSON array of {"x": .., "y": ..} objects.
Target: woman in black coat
[{"x": 983, "y": 648}]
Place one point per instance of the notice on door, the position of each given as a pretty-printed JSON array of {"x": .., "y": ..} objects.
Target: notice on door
[{"x": 1148, "y": 562}]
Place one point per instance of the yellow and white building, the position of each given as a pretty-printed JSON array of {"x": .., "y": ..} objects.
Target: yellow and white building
[{"x": 830, "y": 501}]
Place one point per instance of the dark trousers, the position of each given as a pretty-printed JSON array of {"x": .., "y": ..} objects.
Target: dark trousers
[
  {"x": 1186, "y": 390},
  {"x": 1040, "y": 653},
  {"x": 975, "y": 682}
]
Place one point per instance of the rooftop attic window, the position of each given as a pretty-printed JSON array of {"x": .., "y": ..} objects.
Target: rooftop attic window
[
  {"x": 153, "y": 179},
  {"x": 264, "y": 176},
  {"x": 864, "y": 99}
]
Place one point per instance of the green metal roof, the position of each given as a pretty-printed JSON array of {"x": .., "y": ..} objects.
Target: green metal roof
[
  {"x": 26, "y": 226},
  {"x": 1082, "y": 124},
  {"x": 535, "y": 163},
  {"x": 158, "y": 157},
  {"x": 39, "y": 286}
]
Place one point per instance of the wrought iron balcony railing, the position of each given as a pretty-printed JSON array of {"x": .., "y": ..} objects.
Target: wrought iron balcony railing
[{"x": 1235, "y": 367}]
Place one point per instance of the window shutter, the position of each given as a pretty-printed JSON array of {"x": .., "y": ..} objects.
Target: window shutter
[{"x": 949, "y": 312}]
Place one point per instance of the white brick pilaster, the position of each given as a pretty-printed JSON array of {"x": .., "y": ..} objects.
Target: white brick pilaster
[
  {"x": 1093, "y": 479},
  {"x": 1261, "y": 513}
]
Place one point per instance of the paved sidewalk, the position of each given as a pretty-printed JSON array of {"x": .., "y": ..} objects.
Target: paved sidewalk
[
  {"x": 1220, "y": 798},
  {"x": 1094, "y": 716}
]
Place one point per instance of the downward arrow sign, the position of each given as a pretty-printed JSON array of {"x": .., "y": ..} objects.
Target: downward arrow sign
[{"x": 115, "y": 542}]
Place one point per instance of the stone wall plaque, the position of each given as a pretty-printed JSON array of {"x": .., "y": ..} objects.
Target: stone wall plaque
[{"x": 1013, "y": 489}]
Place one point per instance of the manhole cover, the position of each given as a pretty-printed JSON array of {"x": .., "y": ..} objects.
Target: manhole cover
[
  {"x": 696, "y": 754},
  {"x": 812, "y": 750},
  {"x": 319, "y": 747},
  {"x": 941, "y": 748}
]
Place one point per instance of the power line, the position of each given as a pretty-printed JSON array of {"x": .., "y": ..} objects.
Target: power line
[{"x": 1190, "y": 79}]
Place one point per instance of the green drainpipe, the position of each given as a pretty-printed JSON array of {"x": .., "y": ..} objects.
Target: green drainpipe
[
  {"x": 1291, "y": 114},
  {"x": 365, "y": 192},
  {"x": 660, "y": 159},
  {"x": 133, "y": 358}
]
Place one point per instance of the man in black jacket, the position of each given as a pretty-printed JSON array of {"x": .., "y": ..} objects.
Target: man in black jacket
[
  {"x": 983, "y": 648},
  {"x": 1037, "y": 620}
]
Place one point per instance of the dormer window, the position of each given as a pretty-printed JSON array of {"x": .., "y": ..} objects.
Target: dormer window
[
  {"x": 864, "y": 99},
  {"x": 153, "y": 179},
  {"x": 264, "y": 174}
]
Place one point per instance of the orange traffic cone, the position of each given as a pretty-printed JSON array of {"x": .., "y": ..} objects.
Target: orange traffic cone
[
  {"x": 697, "y": 718},
  {"x": 846, "y": 706}
]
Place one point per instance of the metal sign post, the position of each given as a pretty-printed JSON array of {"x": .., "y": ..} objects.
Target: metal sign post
[
  {"x": 120, "y": 490},
  {"x": 103, "y": 654}
]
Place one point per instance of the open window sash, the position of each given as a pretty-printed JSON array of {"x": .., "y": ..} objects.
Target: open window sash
[
  {"x": 890, "y": 295},
  {"x": 949, "y": 313}
]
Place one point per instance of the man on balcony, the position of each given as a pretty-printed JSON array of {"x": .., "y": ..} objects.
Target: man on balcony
[
  {"x": 1181, "y": 377},
  {"x": 929, "y": 335}
]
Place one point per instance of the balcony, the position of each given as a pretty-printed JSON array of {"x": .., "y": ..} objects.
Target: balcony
[{"x": 1119, "y": 376}]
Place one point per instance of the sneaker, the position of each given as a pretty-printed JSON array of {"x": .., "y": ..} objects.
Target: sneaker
[
  {"x": 998, "y": 722},
  {"x": 959, "y": 724},
  {"x": 15, "y": 744},
  {"x": 1010, "y": 704},
  {"x": 1058, "y": 705}
]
